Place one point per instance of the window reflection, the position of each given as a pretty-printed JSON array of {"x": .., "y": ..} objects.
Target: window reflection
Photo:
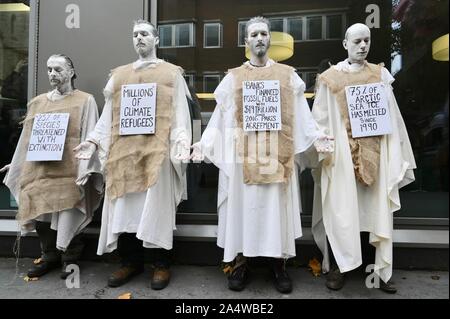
[{"x": 14, "y": 19}]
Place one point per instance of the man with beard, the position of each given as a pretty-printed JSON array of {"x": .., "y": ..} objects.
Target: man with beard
[
  {"x": 48, "y": 197},
  {"x": 259, "y": 197},
  {"x": 144, "y": 173}
]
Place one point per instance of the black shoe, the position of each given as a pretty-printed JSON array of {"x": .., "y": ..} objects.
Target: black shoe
[
  {"x": 238, "y": 278},
  {"x": 123, "y": 275},
  {"x": 64, "y": 271},
  {"x": 282, "y": 281},
  {"x": 388, "y": 287},
  {"x": 41, "y": 268},
  {"x": 335, "y": 279}
]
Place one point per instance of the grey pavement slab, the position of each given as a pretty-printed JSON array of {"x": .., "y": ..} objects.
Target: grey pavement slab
[{"x": 196, "y": 282}]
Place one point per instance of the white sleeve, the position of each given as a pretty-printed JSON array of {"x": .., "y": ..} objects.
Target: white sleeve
[
  {"x": 101, "y": 135},
  {"x": 89, "y": 120},
  {"x": 306, "y": 130},
  {"x": 181, "y": 122}
]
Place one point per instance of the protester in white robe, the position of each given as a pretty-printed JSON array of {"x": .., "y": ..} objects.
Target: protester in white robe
[
  {"x": 344, "y": 207},
  {"x": 147, "y": 218},
  {"x": 255, "y": 220},
  {"x": 58, "y": 231}
]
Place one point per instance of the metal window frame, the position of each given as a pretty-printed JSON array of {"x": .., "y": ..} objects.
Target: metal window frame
[
  {"x": 174, "y": 38},
  {"x": 220, "y": 35},
  {"x": 216, "y": 75},
  {"x": 240, "y": 33},
  {"x": 343, "y": 15}
]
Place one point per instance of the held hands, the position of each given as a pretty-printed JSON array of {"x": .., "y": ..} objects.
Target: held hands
[
  {"x": 197, "y": 154},
  {"x": 324, "y": 144},
  {"x": 85, "y": 150},
  {"x": 183, "y": 151},
  {"x": 5, "y": 168}
]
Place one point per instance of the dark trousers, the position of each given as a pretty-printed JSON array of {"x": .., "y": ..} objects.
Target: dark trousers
[
  {"x": 47, "y": 239},
  {"x": 132, "y": 252}
]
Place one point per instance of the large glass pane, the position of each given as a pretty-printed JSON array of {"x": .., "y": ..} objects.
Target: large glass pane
[
  {"x": 210, "y": 83},
  {"x": 277, "y": 25},
  {"x": 314, "y": 28},
  {"x": 212, "y": 35},
  {"x": 295, "y": 28},
  {"x": 334, "y": 27},
  {"x": 241, "y": 33},
  {"x": 165, "y": 36},
  {"x": 421, "y": 82},
  {"x": 14, "y": 19},
  {"x": 183, "y": 35}
]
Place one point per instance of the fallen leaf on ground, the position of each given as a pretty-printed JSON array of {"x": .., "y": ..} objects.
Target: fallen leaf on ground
[
  {"x": 228, "y": 269},
  {"x": 37, "y": 261},
  {"x": 28, "y": 279},
  {"x": 435, "y": 277},
  {"x": 315, "y": 267},
  {"x": 125, "y": 296}
]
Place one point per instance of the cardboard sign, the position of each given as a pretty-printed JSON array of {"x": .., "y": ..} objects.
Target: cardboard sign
[
  {"x": 368, "y": 110},
  {"x": 48, "y": 137},
  {"x": 138, "y": 109},
  {"x": 261, "y": 106}
]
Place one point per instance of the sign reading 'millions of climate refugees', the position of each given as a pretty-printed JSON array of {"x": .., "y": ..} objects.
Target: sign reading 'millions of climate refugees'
[{"x": 138, "y": 109}]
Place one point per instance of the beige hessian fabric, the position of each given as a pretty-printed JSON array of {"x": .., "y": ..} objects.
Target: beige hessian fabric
[
  {"x": 365, "y": 150},
  {"x": 134, "y": 162},
  {"x": 255, "y": 165},
  {"x": 48, "y": 187}
]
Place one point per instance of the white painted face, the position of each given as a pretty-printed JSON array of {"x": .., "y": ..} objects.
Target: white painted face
[
  {"x": 59, "y": 72},
  {"x": 258, "y": 39},
  {"x": 357, "y": 43},
  {"x": 143, "y": 39}
]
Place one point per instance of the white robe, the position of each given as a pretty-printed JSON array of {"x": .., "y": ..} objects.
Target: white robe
[
  {"x": 342, "y": 207},
  {"x": 256, "y": 220},
  {"x": 149, "y": 214},
  {"x": 70, "y": 222}
]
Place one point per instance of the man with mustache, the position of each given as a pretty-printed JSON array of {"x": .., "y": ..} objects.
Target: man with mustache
[
  {"x": 48, "y": 197},
  {"x": 144, "y": 173},
  {"x": 357, "y": 188},
  {"x": 259, "y": 199}
]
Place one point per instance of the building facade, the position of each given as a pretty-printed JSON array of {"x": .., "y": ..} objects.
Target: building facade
[{"x": 206, "y": 38}]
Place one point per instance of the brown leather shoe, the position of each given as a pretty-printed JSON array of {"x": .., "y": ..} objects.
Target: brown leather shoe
[
  {"x": 123, "y": 275},
  {"x": 161, "y": 278},
  {"x": 335, "y": 279}
]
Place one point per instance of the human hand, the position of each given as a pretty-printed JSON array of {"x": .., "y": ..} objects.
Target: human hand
[
  {"x": 5, "y": 168},
  {"x": 85, "y": 150},
  {"x": 197, "y": 154},
  {"x": 183, "y": 151},
  {"x": 324, "y": 144},
  {"x": 81, "y": 181}
]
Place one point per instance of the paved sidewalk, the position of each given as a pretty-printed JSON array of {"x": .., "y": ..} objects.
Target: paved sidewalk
[{"x": 190, "y": 282}]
